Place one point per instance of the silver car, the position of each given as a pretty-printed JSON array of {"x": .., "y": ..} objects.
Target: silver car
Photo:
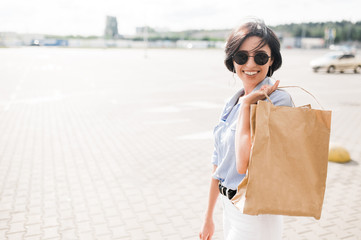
[{"x": 337, "y": 61}]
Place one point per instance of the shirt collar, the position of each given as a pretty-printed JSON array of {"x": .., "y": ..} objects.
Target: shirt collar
[
  {"x": 266, "y": 81},
  {"x": 233, "y": 100}
]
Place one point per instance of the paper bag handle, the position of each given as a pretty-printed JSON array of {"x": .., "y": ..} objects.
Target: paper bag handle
[{"x": 299, "y": 88}]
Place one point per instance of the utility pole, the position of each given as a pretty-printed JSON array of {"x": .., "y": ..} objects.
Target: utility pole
[
  {"x": 145, "y": 38},
  {"x": 303, "y": 34}
]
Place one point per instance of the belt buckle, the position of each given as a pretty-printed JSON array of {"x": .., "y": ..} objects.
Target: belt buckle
[
  {"x": 227, "y": 193},
  {"x": 224, "y": 190},
  {"x": 221, "y": 188}
]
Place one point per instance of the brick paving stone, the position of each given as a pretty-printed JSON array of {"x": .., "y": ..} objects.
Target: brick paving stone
[
  {"x": 174, "y": 237},
  {"x": 355, "y": 231},
  {"x": 50, "y": 212},
  {"x": 160, "y": 219},
  {"x": 15, "y": 236},
  {"x": 154, "y": 236},
  {"x": 84, "y": 226},
  {"x": 3, "y": 224},
  {"x": 34, "y": 210},
  {"x": 50, "y": 221},
  {"x": 115, "y": 221},
  {"x": 50, "y": 232},
  {"x": 69, "y": 223},
  {"x": 150, "y": 226},
  {"x": 137, "y": 234},
  {"x": 34, "y": 229},
  {"x": 157, "y": 209},
  {"x": 345, "y": 235},
  {"x": 143, "y": 217},
  {"x": 105, "y": 237},
  {"x": 16, "y": 227},
  {"x": 98, "y": 218},
  {"x": 186, "y": 232},
  {"x": 139, "y": 207},
  {"x": 86, "y": 235},
  {"x": 68, "y": 234},
  {"x": 111, "y": 212},
  {"x": 20, "y": 207},
  {"x": 66, "y": 213},
  {"x": 172, "y": 212},
  {"x": 4, "y": 215},
  {"x": 3, "y": 233},
  {"x": 119, "y": 232},
  {"x": 34, "y": 219},
  {"x": 101, "y": 229},
  {"x": 82, "y": 216},
  {"x": 131, "y": 224},
  {"x": 127, "y": 213},
  {"x": 35, "y": 237},
  {"x": 167, "y": 229},
  {"x": 178, "y": 221}
]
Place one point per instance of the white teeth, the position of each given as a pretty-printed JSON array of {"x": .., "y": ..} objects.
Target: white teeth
[{"x": 250, "y": 73}]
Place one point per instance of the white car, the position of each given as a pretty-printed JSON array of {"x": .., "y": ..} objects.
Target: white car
[{"x": 337, "y": 61}]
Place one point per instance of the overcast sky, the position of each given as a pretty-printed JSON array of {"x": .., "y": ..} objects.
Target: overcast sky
[{"x": 87, "y": 17}]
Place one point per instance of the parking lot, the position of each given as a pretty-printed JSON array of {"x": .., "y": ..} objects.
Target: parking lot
[{"x": 116, "y": 143}]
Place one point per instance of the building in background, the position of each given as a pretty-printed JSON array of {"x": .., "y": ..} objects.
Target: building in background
[{"x": 111, "y": 28}]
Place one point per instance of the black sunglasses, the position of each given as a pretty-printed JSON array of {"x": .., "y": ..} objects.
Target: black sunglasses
[{"x": 241, "y": 58}]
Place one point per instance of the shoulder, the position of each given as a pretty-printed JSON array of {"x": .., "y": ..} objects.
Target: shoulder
[
  {"x": 230, "y": 104},
  {"x": 281, "y": 98}
]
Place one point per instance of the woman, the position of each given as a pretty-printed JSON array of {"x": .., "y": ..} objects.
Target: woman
[{"x": 253, "y": 53}]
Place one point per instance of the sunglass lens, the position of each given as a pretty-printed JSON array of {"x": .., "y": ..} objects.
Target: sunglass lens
[
  {"x": 261, "y": 58},
  {"x": 241, "y": 58}
]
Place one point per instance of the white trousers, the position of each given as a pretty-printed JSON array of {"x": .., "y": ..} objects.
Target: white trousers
[{"x": 238, "y": 226}]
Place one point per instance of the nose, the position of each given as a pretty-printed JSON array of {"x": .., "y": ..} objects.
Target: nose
[{"x": 250, "y": 62}]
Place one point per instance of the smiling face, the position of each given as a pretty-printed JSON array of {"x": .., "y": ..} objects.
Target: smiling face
[{"x": 251, "y": 73}]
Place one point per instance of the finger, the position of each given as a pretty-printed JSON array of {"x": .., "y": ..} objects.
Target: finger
[
  {"x": 265, "y": 87},
  {"x": 275, "y": 86}
]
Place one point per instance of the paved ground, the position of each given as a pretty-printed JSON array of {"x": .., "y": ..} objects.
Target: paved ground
[{"x": 108, "y": 144}]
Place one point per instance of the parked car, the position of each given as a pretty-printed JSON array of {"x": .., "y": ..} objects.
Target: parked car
[{"x": 337, "y": 61}]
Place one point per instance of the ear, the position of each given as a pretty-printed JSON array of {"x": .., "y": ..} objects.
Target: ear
[{"x": 271, "y": 62}]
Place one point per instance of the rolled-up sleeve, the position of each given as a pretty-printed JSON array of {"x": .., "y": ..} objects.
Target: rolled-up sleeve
[
  {"x": 215, "y": 157},
  {"x": 215, "y": 151}
]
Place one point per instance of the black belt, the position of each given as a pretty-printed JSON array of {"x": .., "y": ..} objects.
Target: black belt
[{"x": 226, "y": 192}]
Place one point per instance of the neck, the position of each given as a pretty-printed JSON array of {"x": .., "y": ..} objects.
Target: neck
[{"x": 248, "y": 88}]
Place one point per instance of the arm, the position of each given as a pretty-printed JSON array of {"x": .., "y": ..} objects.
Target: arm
[
  {"x": 208, "y": 225},
  {"x": 243, "y": 131},
  {"x": 243, "y": 138}
]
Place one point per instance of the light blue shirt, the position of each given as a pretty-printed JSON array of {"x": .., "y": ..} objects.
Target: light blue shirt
[{"x": 224, "y": 155}]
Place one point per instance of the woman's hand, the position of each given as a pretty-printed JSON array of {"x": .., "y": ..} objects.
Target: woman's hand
[
  {"x": 207, "y": 230},
  {"x": 260, "y": 94}
]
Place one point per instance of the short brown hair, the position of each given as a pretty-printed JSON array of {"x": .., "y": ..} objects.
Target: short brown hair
[{"x": 253, "y": 28}]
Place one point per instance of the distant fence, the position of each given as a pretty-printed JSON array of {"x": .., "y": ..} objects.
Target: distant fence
[
  {"x": 109, "y": 43},
  {"x": 12, "y": 40}
]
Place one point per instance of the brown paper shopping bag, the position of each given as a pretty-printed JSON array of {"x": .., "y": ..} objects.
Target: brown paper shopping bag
[{"x": 288, "y": 161}]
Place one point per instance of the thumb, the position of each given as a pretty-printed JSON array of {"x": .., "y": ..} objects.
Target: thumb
[
  {"x": 276, "y": 84},
  {"x": 274, "y": 87}
]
